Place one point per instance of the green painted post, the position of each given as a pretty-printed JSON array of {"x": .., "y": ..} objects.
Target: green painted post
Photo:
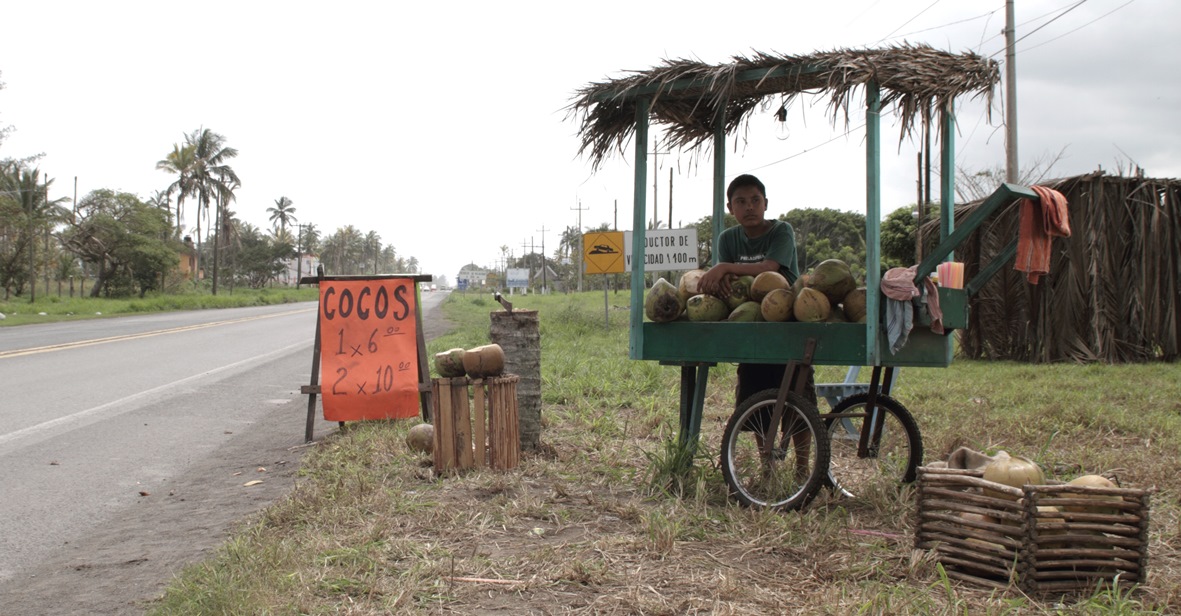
[
  {"x": 947, "y": 176},
  {"x": 719, "y": 181},
  {"x": 873, "y": 220},
  {"x": 636, "y": 338},
  {"x": 947, "y": 187}
]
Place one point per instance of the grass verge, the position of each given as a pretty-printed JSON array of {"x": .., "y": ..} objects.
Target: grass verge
[
  {"x": 603, "y": 522},
  {"x": 52, "y": 308}
]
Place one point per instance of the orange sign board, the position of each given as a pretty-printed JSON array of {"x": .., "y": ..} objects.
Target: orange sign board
[
  {"x": 368, "y": 349},
  {"x": 602, "y": 252}
]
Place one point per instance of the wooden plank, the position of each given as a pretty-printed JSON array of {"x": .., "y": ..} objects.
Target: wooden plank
[
  {"x": 461, "y": 411},
  {"x": 479, "y": 389},
  {"x": 444, "y": 426}
]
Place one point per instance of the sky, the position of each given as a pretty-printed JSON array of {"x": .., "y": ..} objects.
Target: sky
[{"x": 443, "y": 126}]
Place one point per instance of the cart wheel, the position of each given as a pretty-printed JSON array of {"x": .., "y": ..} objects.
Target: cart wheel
[
  {"x": 893, "y": 461},
  {"x": 787, "y": 474}
]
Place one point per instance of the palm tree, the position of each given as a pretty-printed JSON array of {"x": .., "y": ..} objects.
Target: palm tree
[
  {"x": 283, "y": 214},
  {"x": 373, "y": 248},
  {"x": 210, "y": 176},
  {"x": 32, "y": 194},
  {"x": 222, "y": 220},
  {"x": 179, "y": 161}
]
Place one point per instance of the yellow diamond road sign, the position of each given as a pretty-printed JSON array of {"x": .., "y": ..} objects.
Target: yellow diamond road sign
[{"x": 602, "y": 252}]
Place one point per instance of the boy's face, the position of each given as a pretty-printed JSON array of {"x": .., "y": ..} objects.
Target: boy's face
[{"x": 748, "y": 205}]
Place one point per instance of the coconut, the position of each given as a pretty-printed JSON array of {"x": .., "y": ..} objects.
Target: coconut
[
  {"x": 739, "y": 291},
  {"x": 482, "y": 361},
  {"x": 832, "y": 278},
  {"x": 800, "y": 283},
  {"x": 706, "y": 308},
  {"x": 854, "y": 305},
  {"x": 1012, "y": 471},
  {"x": 836, "y": 315},
  {"x": 766, "y": 282},
  {"x": 811, "y": 306},
  {"x": 746, "y": 311},
  {"x": 690, "y": 284},
  {"x": 421, "y": 438},
  {"x": 1094, "y": 481},
  {"x": 777, "y": 306},
  {"x": 449, "y": 363},
  {"x": 662, "y": 304}
]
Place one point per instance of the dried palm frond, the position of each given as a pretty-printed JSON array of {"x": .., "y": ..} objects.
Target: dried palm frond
[{"x": 688, "y": 95}]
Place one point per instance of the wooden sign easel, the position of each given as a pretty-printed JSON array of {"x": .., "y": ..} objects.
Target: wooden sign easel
[{"x": 424, "y": 383}]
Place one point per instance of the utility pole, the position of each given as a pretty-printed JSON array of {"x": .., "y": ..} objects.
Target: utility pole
[
  {"x": 655, "y": 182},
  {"x": 298, "y": 254},
  {"x": 670, "y": 198},
  {"x": 528, "y": 265},
  {"x": 1011, "y": 170},
  {"x": 580, "y": 264},
  {"x": 544, "y": 284}
]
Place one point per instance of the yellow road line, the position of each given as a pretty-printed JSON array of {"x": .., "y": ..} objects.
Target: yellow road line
[{"x": 159, "y": 332}]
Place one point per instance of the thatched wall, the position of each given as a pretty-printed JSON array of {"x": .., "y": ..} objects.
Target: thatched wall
[{"x": 1112, "y": 294}]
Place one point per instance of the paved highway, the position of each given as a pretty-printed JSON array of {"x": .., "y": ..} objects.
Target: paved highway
[{"x": 127, "y": 442}]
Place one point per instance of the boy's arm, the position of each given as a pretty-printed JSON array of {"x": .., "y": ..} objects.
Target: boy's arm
[{"x": 716, "y": 280}]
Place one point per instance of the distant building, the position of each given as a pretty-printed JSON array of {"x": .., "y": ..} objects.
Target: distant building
[{"x": 292, "y": 269}]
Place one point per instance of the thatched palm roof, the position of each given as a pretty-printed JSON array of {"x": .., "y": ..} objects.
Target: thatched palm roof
[{"x": 686, "y": 95}]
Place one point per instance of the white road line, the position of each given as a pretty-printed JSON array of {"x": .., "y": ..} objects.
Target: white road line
[{"x": 115, "y": 407}]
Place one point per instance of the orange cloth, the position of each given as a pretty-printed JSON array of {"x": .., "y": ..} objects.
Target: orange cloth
[{"x": 1041, "y": 221}]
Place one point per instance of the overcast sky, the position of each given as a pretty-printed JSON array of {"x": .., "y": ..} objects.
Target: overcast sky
[{"x": 443, "y": 128}]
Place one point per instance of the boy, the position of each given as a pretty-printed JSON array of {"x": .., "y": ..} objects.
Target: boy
[{"x": 755, "y": 246}]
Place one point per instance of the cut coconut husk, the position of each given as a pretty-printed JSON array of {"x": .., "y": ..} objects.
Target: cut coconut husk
[
  {"x": 1102, "y": 501},
  {"x": 689, "y": 284},
  {"x": 662, "y": 304},
  {"x": 777, "y": 306},
  {"x": 1012, "y": 471},
  {"x": 484, "y": 361},
  {"x": 449, "y": 363}
]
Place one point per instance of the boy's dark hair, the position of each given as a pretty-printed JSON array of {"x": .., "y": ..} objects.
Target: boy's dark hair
[{"x": 744, "y": 180}]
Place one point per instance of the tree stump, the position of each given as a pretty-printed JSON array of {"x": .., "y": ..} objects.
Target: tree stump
[{"x": 518, "y": 333}]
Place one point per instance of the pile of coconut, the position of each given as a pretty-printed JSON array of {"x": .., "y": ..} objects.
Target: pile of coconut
[{"x": 828, "y": 293}]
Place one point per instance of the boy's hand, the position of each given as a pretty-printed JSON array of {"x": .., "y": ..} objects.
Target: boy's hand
[{"x": 716, "y": 281}]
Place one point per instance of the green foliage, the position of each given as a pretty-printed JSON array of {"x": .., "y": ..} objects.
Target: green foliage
[
  {"x": 898, "y": 233},
  {"x": 122, "y": 239}
]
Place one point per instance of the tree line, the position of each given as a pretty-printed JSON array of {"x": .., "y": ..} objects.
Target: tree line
[{"x": 820, "y": 233}]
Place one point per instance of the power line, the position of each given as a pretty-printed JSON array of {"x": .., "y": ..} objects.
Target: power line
[
  {"x": 907, "y": 21},
  {"x": 806, "y": 150},
  {"x": 1080, "y": 27},
  {"x": 1024, "y": 23},
  {"x": 1056, "y": 18},
  {"x": 981, "y": 16}
]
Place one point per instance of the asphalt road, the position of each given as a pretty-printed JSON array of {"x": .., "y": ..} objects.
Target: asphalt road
[{"x": 126, "y": 445}]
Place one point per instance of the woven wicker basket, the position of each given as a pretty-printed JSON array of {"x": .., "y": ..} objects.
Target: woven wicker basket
[{"x": 1042, "y": 539}]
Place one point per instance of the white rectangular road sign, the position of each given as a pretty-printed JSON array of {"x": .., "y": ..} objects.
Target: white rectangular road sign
[
  {"x": 517, "y": 278},
  {"x": 665, "y": 250}
]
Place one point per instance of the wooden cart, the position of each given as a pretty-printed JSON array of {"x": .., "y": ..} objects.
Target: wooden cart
[{"x": 777, "y": 450}]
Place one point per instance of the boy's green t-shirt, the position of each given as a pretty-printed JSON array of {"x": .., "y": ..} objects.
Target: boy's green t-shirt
[{"x": 777, "y": 244}]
